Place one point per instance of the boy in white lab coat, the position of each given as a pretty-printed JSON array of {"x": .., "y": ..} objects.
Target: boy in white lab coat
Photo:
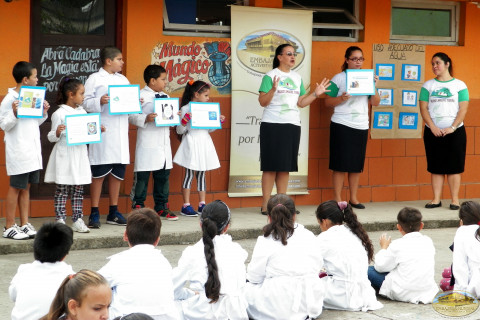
[
  {"x": 404, "y": 269},
  {"x": 141, "y": 277},
  {"x": 110, "y": 157},
  {"x": 23, "y": 152},
  {"x": 153, "y": 152},
  {"x": 35, "y": 284}
]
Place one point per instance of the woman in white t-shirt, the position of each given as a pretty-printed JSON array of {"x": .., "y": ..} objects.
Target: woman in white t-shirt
[
  {"x": 281, "y": 95},
  {"x": 348, "y": 128},
  {"x": 443, "y": 105}
]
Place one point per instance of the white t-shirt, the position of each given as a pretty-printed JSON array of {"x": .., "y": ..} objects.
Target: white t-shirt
[
  {"x": 352, "y": 113},
  {"x": 283, "y": 107},
  {"x": 443, "y": 98}
]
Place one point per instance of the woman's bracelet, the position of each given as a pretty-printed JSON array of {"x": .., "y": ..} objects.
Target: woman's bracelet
[{"x": 453, "y": 128}]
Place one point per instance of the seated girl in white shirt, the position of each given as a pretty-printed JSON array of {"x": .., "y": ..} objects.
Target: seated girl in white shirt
[
  {"x": 346, "y": 250},
  {"x": 283, "y": 273},
  {"x": 215, "y": 268},
  {"x": 466, "y": 253}
]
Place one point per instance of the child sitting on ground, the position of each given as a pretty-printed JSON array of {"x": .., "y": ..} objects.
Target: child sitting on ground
[
  {"x": 140, "y": 277},
  {"x": 404, "y": 269},
  {"x": 35, "y": 284}
]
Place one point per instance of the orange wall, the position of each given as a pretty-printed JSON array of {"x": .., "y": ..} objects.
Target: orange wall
[{"x": 395, "y": 169}]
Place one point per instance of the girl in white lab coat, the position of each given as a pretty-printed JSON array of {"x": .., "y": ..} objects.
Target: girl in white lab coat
[
  {"x": 466, "y": 251},
  {"x": 347, "y": 251},
  {"x": 68, "y": 166},
  {"x": 283, "y": 272},
  {"x": 196, "y": 152},
  {"x": 215, "y": 268}
]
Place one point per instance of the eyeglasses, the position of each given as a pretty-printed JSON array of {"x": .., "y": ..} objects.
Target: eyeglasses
[
  {"x": 290, "y": 54},
  {"x": 357, "y": 59}
]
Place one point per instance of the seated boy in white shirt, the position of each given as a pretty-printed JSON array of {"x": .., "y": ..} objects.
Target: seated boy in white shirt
[
  {"x": 404, "y": 269},
  {"x": 35, "y": 284},
  {"x": 141, "y": 277}
]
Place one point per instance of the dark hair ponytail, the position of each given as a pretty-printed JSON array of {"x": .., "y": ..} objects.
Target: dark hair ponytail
[
  {"x": 470, "y": 214},
  {"x": 66, "y": 85},
  {"x": 348, "y": 53},
  {"x": 280, "y": 209},
  {"x": 331, "y": 211},
  {"x": 193, "y": 87},
  {"x": 215, "y": 218},
  {"x": 446, "y": 59},
  {"x": 278, "y": 51}
]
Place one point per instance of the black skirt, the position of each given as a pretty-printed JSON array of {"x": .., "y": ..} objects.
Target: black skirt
[
  {"x": 279, "y": 143},
  {"x": 348, "y": 147},
  {"x": 445, "y": 155}
]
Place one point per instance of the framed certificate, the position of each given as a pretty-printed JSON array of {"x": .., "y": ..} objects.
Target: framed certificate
[
  {"x": 205, "y": 115},
  {"x": 124, "y": 99},
  {"x": 83, "y": 129},
  {"x": 167, "y": 112},
  {"x": 31, "y": 102},
  {"x": 360, "y": 82}
]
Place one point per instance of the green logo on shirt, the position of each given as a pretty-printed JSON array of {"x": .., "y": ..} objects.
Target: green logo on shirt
[
  {"x": 288, "y": 84},
  {"x": 442, "y": 93}
]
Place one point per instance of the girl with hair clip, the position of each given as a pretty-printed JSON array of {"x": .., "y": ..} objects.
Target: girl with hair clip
[
  {"x": 215, "y": 268},
  {"x": 466, "y": 253},
  {"x": 196, "y": 152},
  {"x": 81, "y": 296},
  {"x": 347, "y": 251},
  {"x": 283, "y": 272},
  {"x": 68, "y": 166}
]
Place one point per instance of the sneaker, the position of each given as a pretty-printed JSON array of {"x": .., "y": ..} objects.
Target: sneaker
[
  {"x": 14, "y": 233},
  {"x": 200, "y": 207},
  {"x": 94, "y": 220},
  {"x": 188, "y": 211},
  {"x": 29, "y": 230},
  {"x": 79, "y": 226},
  {"x": 117, "y": 219},
  {"x": 62, "y": 221},
  {"x": 167, "y": 214}
]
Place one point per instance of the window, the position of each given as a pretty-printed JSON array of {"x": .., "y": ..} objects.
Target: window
[
  {"x": 333, "y": 20},
  {"x": 426, "y": 22},
  {"x": 198, "y": 17}
]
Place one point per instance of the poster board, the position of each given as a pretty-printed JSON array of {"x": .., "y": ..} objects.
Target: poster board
[{"x": 401, "y": 71}]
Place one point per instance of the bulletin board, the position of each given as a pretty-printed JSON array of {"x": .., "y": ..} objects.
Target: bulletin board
[{"x": 401, "y": 71}]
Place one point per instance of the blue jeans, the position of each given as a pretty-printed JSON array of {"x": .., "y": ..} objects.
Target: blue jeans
[{"x": 376, "y": 278}]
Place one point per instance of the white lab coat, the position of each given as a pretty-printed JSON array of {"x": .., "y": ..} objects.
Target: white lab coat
[
  {"x": 410, "y": 262},
  {"x": 34, "y": 286},
  {"x": 192, "y": 267},
  {"x": 114, "y": 145},
  {"x": 283, "y": 280},
  {"x": 196, "y": 151},
  {"x": 67, "y": 164},
  {"x": 347, "y": 286},
  {"x": 23, "y": 151},
  {"x": 466, "y": 260},
  {"x": 153, "y": 151},
  {"x": 141, "y": 281}
]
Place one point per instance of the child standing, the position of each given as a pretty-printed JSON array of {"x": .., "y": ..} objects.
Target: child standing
[
  {"x": 153, "y": 152},
  {"x": 68, "y": 166},
  {"x": 141, "y": 277},
  {"x": 84, "y": 295},
  {"x": 283, "y": 272},
  {"x": 404, "y": 269},
  {"x": 35, "y": 284},
  {"x": 215, "y": 269},
  {"x": 196, "y": 152},
  {"x": 466, "y": 253},
  {"x": 346, "y": 250},
  {"x": 110, "y": 157},
  {"x": 23, "y": 153}
]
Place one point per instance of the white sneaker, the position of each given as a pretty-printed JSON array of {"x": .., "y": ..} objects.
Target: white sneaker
[
  {"x": 14, "y": 233},
  {"x": 79, "y": 226},
  {"x": 62, "y": 221},
  {"x": 29, "y": 230}
]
